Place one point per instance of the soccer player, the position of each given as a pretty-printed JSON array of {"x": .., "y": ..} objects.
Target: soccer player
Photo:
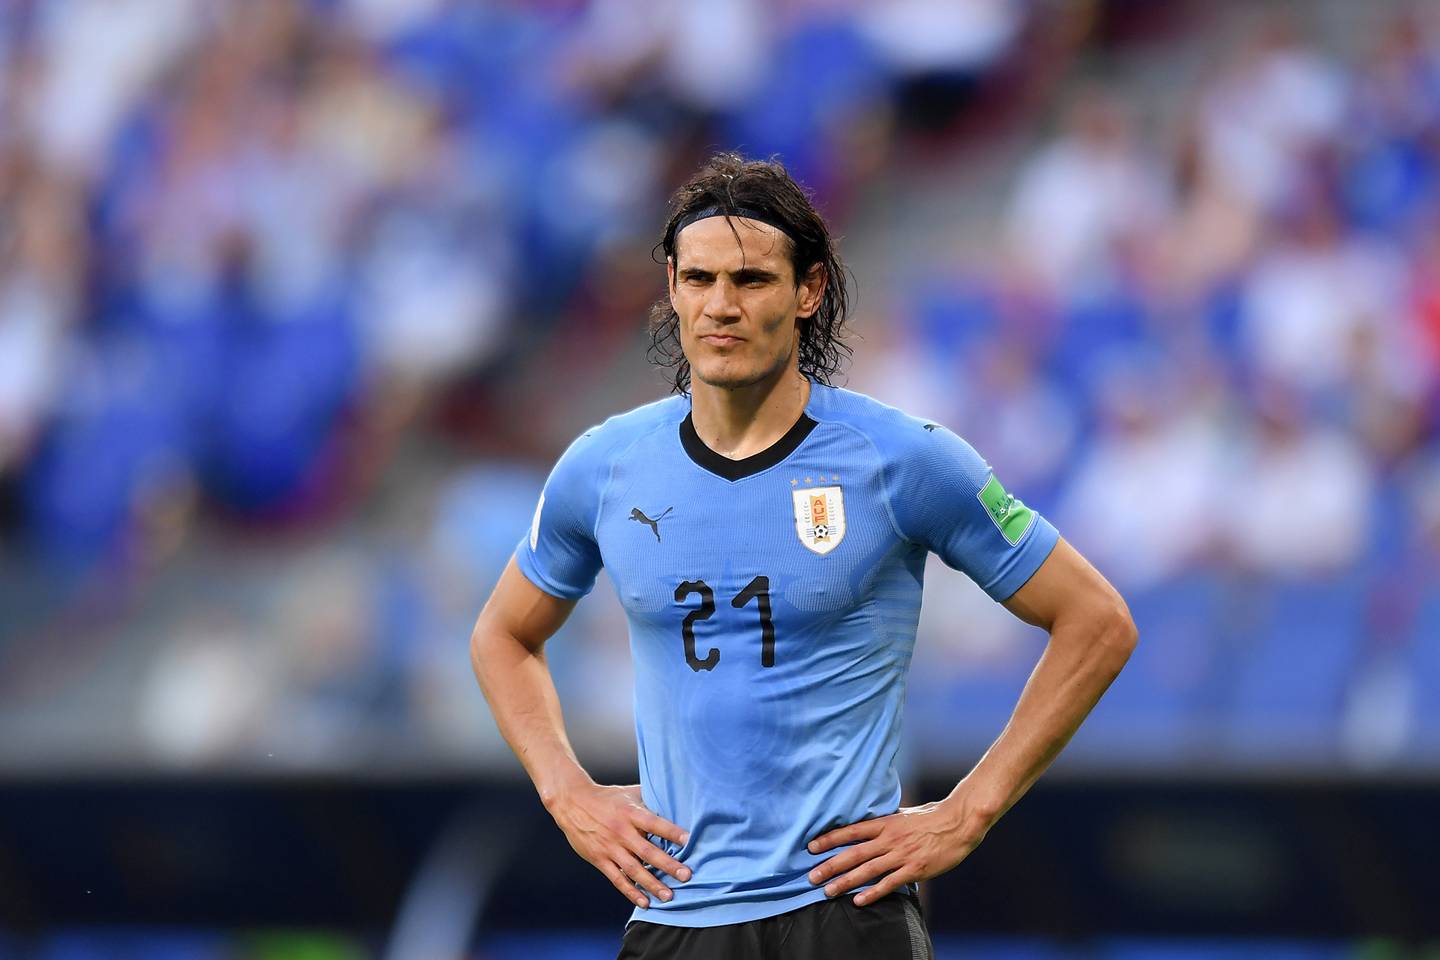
[{"x": 766, "y": 533}]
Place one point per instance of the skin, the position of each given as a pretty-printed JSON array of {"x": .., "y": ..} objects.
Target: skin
[
  {"x": 747, "y": 391},
  {"x": 606, "y": 825}
]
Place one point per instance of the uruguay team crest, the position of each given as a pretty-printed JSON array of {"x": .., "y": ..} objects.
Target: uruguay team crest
[{"x": 820, "y": 518}]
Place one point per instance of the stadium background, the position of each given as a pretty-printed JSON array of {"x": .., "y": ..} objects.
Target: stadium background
[{"x": 299, "y": 299}]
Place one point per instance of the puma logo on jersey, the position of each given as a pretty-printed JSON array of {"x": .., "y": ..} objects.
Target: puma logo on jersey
[
  {"x": 932, "y": 427},
  {"x": 654, "y": 525}
]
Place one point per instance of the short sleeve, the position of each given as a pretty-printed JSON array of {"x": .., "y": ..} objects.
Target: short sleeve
[
  {"x": 559, "y": 553},
  {"x": 946, "y": 497}
]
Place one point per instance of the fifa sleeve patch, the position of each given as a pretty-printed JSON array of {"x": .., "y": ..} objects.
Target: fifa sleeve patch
[{"x": 1011, "y": 516}]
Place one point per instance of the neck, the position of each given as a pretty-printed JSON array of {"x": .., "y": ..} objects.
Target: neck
[{"x": 741, "y": 421}]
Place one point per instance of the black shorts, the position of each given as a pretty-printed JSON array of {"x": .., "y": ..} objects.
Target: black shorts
[{"x": 889, "y": 929}]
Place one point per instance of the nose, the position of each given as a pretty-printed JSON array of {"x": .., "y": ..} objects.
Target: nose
[{"x": 722, "y": 303}]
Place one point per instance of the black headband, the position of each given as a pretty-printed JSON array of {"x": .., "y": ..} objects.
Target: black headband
[{"x": 719, "y": 211}]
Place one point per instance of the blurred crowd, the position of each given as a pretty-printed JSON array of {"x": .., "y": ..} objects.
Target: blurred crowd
[
  {"x": 229, "y": 226},
  {"x": 241, "y": 243},
  {"x": 1214, "y": 358},
  {"x": 1196, "y": 355},
  {"x": 248, "y": 244}
]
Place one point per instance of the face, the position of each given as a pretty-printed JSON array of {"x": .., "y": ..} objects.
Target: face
[{"x": 738, "y": 302}]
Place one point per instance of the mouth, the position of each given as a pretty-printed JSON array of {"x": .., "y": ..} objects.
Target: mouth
[{"x": 721, "y": 339}]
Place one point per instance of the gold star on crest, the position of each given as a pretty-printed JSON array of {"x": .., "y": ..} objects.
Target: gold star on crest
[{"x": 793, "y": 482}]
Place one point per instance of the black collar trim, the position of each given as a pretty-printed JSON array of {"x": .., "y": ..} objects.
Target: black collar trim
[{"x": 756, "y": 462}]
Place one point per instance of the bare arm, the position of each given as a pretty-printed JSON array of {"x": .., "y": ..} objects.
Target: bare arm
[
  {"x": 1091, "y": 637},
  {"x": 508, "y": 655},
  {"x": 605, "y": 824}
]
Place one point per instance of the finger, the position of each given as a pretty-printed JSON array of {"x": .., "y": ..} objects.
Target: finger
[
  {"x": 887, "y": 885},
  {"x": 637, "y": 872},
  {"x": 847, "y": 860},
  {"x": 660, "y": 827},
  {"x": 656, "y": 857},
  {"x": 864, "y": 830},
  {"x": 622, "y": 883},
  {"x": 862, "y": 874}
]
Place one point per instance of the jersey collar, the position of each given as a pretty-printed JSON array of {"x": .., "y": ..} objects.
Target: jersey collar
[{"x": 732, "y": 470}]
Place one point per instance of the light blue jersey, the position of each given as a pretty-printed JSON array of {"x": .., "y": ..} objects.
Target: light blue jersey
[{"x": 772, "y": 604}]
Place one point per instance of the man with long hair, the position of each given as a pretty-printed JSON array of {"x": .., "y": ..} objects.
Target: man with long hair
[{"x": 766, "y": 532}]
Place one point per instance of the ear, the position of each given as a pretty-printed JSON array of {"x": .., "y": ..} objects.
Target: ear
[
  {"x": 812, "y": 290},
  {"x": 670, "y": 279}
]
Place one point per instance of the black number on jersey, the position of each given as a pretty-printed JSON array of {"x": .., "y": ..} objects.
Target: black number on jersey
[
  {"x": 687, "y": 629},
  {"x": 757, "y": 589}
]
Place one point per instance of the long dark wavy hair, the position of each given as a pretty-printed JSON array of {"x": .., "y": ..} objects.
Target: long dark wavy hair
[{"x": 731, "y": 182}]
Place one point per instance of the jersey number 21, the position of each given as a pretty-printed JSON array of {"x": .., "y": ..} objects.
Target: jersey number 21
[{"x": 757, "y": 589}]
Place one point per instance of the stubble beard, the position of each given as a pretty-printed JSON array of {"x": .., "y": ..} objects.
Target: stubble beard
[{"x": 735, "y": 380}]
